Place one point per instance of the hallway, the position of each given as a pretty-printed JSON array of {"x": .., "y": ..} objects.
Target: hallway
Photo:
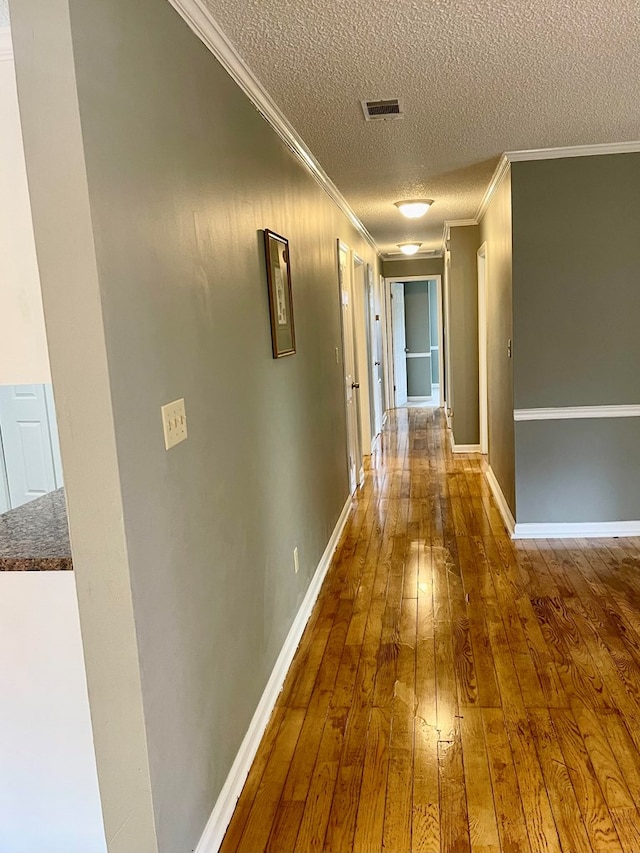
[{"x": 453, "y": 690}]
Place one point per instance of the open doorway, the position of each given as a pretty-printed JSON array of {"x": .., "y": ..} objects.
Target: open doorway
[{"x": 415, "y": 362}]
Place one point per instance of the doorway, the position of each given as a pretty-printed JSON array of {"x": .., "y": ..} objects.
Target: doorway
[
  {"x": 351, "y": 384},
  {"x": 30, "y": 464},
  {"x": 415, "y": 308}
]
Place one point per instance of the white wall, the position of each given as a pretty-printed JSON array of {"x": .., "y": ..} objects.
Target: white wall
[
  {"x": 49, "y": 799},
  {"x": 23, "y": 345}
]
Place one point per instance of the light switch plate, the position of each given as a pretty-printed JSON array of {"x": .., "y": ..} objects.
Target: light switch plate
[{"x": 174, "y": 423}]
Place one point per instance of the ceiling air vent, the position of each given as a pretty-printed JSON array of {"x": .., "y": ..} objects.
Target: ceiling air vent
[{"x": 382, "y": 110}]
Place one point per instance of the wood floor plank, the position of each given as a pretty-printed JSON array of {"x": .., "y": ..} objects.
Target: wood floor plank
[
  {"x": 591, "y": 802},
  {"x": 511, "y": 825},
  {"x": 425, "y": 836},
  {"x": 454, "y": 817},
  {"x": 370, "y": 818},
  {"x": 562, "y": 797},
  {"x": 265, "y": 805},
  {"x": 483, "y": 826}
]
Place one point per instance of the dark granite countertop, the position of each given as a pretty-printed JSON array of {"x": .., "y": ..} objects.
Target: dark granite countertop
[{"x": 35, "y": 537}]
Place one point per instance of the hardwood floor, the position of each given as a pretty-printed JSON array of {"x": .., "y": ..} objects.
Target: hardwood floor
[{"x": 454, "y": 691}]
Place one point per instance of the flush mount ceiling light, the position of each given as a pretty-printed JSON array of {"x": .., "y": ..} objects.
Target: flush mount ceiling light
[
  {"x": 414, "y": 208},
  {"x": 409, "y": 248}
]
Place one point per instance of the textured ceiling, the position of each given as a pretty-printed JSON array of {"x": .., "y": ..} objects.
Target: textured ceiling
[
  {"x": 476, "y": 78},
  {"x": 4, "y": 13}
]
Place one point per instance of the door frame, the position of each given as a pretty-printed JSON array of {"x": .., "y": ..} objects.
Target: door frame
[
  {"x": 483, "y": 378},
  {"x": 361, "y": 346},
  {"x": 385, "y": 347},
  {"x": 353, "y": 435},
  {"x": 388, "y": 338}
]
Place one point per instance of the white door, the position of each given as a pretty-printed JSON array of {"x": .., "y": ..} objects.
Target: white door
[
  {"x": 31, "y": 453},
  {"x": 399, "y": 343},
  {"x": 348, "y": 360}
]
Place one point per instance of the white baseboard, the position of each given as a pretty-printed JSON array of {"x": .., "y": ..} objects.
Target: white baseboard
[
  {"x": 576, "y": 530},
  {"x": 223, "y": 810},
  {"x": 463, "y": 448},
  {"x": 501, "y": 501}
]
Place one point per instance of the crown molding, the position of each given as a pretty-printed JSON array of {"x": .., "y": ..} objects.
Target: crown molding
[
  {"x": 6, "y": 45},
  {"x": 457, "y": 223},
  {"x": 201, "y": 22},
  {"x": 573, "y": 151},
  {"x": 500, "y": 173}
]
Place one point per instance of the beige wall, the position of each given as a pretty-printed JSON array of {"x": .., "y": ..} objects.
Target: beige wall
[
  {"x": 412, "y": 266},
  {"x": 462, "y": 378},
  {"x": 23, "y": 346},
  {"x": 495, "y": 231},
  {"x": 154, "y": 287}
]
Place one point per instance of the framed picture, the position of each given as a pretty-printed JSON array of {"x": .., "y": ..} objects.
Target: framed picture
[{"x": 283, "y": 338}]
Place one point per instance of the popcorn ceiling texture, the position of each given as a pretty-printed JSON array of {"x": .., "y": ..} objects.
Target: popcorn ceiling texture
[
  {"x": 477, "y": 78},
  {"x": 4, "y": 13}
]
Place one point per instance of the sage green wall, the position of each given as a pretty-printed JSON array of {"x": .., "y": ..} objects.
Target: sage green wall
[
  {"x": 417, "y": 316},
  {"x": 152, "y": 177},
  {"x": 495, "y": 231},
  {"x": 463, "y": 324},
  {"x": 418, "y": 337},
  {"x": 413, "y": 266},
  {"x": 576, "y": 303}
]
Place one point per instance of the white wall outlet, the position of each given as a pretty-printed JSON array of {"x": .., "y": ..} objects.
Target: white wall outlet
[
  {"x": 337, "y": 356},
  {"x": 296, "y": 562},
  {"x": 174, "y": 423}
]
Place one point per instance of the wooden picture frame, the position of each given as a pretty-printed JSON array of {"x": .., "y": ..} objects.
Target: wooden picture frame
[{"x": 283, "y": 337}]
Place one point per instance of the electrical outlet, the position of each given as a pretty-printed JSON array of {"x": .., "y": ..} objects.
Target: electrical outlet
[
  {"x": 296, "y": 562},
  {"x": 337, "y": 356},
  {"x": 174, "y": 423}
]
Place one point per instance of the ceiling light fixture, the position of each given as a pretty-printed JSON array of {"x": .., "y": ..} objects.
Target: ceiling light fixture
[
  {"x": 409, "y": 248},
  {"x": 414, "y": 208}
]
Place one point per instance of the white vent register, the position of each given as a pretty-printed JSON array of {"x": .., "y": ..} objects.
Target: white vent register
[{"x": 382, "y": 110}]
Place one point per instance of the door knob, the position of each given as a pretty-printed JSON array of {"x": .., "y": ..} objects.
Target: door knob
[
  {"x": 376, "y": 364},
  {"x": 406, "y": 349},
  {"x": 355, "y": 384}
]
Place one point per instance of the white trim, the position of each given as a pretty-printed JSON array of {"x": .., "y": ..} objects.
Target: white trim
[
  {"x": 576, "y": 529},
  {"x": 418, "y": 399},
  {"x": 458, "y": 223},
  {"x": 500, "y": 173},
  {"x": 418, "y": 354},
  {"x": 6, "y": 45},
  {"x": 576, "y": 412},
  {"x": 463, "y": 448},
  {"x": 388, "y": 362},
  {"x": 202, "y": 23},
  {"x": 223, "y": 810},
  {"x": 501, "y": 501},
  {"x": 483, "y": 379},
  {"x": 574, "y": 151}
]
